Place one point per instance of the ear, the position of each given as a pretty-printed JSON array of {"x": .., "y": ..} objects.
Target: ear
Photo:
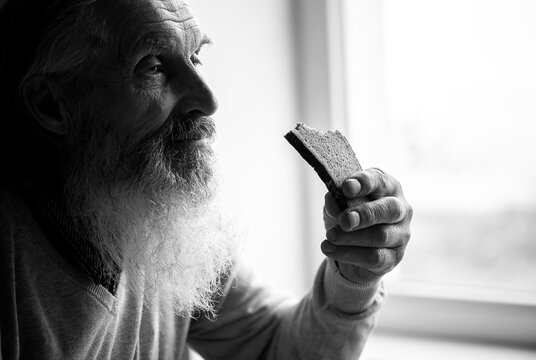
[{"x": 44, "y": 100}]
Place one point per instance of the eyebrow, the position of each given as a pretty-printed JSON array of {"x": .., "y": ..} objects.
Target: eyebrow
[
  {"x": 161, "y": 41},
  {"x": 205, "y": 40}
]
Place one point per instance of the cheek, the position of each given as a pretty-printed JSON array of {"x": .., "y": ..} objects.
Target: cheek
[
  {"x": 145, "y": 117},
  {"x": 135, "y": 114}
]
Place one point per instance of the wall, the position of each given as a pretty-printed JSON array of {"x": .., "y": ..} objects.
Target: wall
[{"x": 251, "y": 67}]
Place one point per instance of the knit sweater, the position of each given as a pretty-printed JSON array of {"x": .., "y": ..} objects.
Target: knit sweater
[{"x": 51, "y": 309}]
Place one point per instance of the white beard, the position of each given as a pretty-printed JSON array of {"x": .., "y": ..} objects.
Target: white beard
[
  {"x": 164, "y": 230},
  {"x": 175, "y": 254}
]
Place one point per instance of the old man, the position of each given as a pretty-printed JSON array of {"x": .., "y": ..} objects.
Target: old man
[{"x": 109, "y": 248}]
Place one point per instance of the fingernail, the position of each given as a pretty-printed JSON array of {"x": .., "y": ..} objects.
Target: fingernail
[
  {"x": 353, "y": 220},
  {"x": 351, "y": 188},
  {"x": 328, "y": 247},
  {"x": 331, "y": 235}
]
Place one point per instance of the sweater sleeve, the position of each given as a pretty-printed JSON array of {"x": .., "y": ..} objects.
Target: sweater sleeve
[{"x": 332, "y": 321}]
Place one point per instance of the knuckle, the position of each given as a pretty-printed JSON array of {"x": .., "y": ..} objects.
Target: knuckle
[
  {"x": 391, "y": 179},
  {"x": 409, "y": 211},
  {"x": 367, "y": 181},
  {"x": 382, "y": 177},
  {"x": 382, "y": 236},
  {"x": 376, "y": 259},
  {"x": 398, "y": 255},
  {"x": 383, "y": 261},
  {"x": 380, "y": 174},
  {"x": 398, "y": 186},
  {"x": 406, "y": 235},
  {"x": 367, "y": 215},
  {"x": 383, "y": 180},
  {"x": 396, "y": 209},
  {"x": 388, "y": 184},
  {"x": 389, "y": 261},
  {"x": 377, "y": 169}
]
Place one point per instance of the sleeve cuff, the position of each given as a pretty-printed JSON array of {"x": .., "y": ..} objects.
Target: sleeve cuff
[{"x": 346, "y": 296}]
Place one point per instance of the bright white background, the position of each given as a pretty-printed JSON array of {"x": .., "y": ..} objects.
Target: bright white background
[
  {"x": 252, "y": 69},
  {"x": 277, "y": 62},
  {"x": 443, "y": 94}
]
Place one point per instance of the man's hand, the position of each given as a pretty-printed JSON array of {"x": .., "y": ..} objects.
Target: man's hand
[{"x": 367, "y": 240}]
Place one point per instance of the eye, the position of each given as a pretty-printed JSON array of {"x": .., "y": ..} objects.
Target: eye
[
  {"x": 155, "y": 69},
  {"x": 150, "y": 66}
]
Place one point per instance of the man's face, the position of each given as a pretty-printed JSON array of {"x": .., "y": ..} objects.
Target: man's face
[
  {"x": 148, "y": 77},
  {"x": 141, "y": 164},
  {"x": 148, "y": 108}
]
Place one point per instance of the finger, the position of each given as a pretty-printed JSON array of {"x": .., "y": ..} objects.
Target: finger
[
  {"x": 380, "y": 261},
  {"x": 351, "y": 188},
  {"x": 387, "y": 210},
  {"x": 372, "y": 182},
  {"x": 329, "y": 221},
  {"x": 379, "y": 236},
  {"x": 330, "y": 206}
]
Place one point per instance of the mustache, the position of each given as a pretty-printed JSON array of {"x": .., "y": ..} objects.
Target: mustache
[
  {"x": 174, "y": 131},
  {"x": 172, "y": 145},
  {"x": 192, "y": 129}
]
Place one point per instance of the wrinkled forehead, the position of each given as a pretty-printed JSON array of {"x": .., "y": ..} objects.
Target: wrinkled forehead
[{"x": 139, "y": 22}]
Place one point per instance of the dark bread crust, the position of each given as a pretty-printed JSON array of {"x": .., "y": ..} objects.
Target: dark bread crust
[{"x": 330, "y": 154}]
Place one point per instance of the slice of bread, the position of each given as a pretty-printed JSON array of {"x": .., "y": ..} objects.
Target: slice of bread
[{"x": 330, "y": 154}]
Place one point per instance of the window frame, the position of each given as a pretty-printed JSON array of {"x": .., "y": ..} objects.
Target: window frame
[{"x": 417, "y": 310}]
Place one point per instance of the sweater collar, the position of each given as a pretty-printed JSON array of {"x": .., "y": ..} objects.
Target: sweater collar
[{"x": 71, "y": 241}]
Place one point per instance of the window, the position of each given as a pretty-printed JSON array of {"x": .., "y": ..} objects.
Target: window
[
  {"x": 443, "y": 95},
  {"x": 450, "y": 89}
]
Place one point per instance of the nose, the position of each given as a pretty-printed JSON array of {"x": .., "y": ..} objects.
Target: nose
[{"x": 196, "y": 95}]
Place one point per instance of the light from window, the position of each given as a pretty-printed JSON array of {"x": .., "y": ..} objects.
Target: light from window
[{"x": 442, "y": 94}]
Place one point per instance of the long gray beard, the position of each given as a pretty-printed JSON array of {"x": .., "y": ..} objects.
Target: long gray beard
[{"x": 151, "y": 210}]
